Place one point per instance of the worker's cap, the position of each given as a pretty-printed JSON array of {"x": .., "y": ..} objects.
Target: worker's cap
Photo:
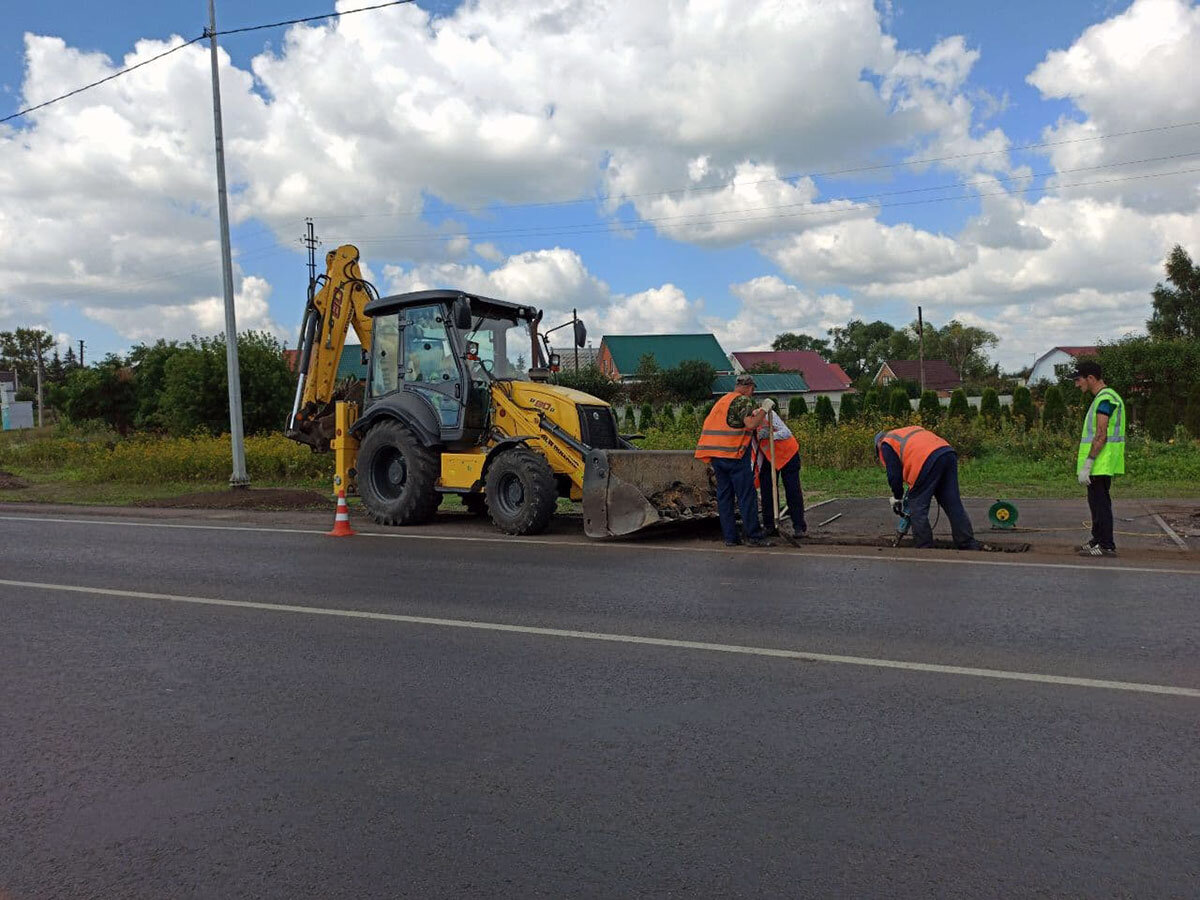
[
  {"x": 745, "y": 378},
  {"x": 1086, "y": 367}
]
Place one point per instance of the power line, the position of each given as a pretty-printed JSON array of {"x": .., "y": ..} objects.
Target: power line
[
  {"x": 88, "y": 87},
  {"x": 643, "y": 224},
  {"x": 332, "y": 15},
  {"x": 796, "y": 176},
  {"x": 203, "y": 36}
]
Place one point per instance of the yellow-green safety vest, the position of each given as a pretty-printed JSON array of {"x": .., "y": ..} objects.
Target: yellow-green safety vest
[{"x": 1111, "y": 459}]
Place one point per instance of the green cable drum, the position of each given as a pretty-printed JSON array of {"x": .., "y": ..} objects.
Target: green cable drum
[{"x": 1003, "y": 514}]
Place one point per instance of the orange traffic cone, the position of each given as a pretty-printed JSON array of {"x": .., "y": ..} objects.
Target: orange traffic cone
[{"x": 341, "y": 522}]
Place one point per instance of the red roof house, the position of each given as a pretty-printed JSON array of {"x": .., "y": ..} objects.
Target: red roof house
[
  {"x": 821, "y": 377},
  {"x": 939, "y": 374}
]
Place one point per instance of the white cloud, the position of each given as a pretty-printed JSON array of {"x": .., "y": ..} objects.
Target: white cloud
[
  {"x": 205, "y": 316},
  {"x": 768, "y": 306}
]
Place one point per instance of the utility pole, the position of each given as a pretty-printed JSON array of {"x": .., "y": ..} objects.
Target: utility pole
[
  {"x": 238, "y": 478},
  {"x": 574, "y": 342},
  {"x": 921, "y": 346},
  {"x": 81, "y": 353},
  {"x": 311, "y": 242},
  {"x": 39, "y": 386}
]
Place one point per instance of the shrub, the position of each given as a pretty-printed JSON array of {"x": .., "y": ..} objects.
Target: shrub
[
  {"x": 665, "y": 417},
  {"x": 872, "y": 402},
  {"x": 645, "y": 417},
  {"x": 824, "y": 413},
  {"x": 898, "y": 404},
  {"x": 591, "y": 380},
  {"x": 687, "y": 422},
  {"x": 629, "y": 420},
  {"x": 959, "y": 408},
  {"x": 1023, "y": 409},
  {"x": 1191, "y": 415},
  {"x": 989, "y": 406},
  {"x": 848, "y": 411},
  {"x": 1054, "y": 411},
  {"x": 930, "y": 409},
  {"x": 797, "y": 407},
  {"x": 1160, "y": 423}
]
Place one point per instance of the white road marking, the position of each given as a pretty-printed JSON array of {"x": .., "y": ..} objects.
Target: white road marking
[
  {"x": 802, "y": 554},
  {"x": 738, "y": 649}
]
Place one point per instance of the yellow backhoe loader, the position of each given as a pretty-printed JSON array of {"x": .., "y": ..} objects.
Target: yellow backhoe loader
[{"x": 446, "y": 411}]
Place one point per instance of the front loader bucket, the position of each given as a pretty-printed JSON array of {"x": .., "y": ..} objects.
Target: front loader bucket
[{"x": 627, "y": 490}]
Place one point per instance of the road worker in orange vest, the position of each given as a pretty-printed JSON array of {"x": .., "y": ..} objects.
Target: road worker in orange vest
[
  {"x": 787, "y": 464},
  {"x": 917, "y": 457},
  {"x": 725, "y": 443}
]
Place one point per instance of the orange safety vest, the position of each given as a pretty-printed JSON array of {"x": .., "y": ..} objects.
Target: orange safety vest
[
  {"x": 785, "y": 449},
  {"x": 717, "y": 439},
  {"x": 913, "y": 445}
]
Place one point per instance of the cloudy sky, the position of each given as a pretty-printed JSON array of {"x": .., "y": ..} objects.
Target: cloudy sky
[{"x": 740, "y": 166}]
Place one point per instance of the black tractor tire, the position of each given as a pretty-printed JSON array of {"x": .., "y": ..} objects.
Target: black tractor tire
[
  {"x": 475, "y": 504},
  {"x": 521, "y": 492},
  {"x": 397, "y": 477}
]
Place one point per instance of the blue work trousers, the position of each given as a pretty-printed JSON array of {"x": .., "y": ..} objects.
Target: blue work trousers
[
  {"x": 939, "y": 478},
  {"x": 735, "y": 479},
  {"x": 790, "y": 474}
]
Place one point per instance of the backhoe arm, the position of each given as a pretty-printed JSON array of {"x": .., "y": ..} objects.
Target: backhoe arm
[{"x": 338, "y": 301}]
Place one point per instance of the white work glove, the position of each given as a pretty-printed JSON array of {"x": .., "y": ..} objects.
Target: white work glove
[
  {"x": 1085, "y": 474},
  {"x": 767, "y": 405},
  {"x": 897, "y": 508}
]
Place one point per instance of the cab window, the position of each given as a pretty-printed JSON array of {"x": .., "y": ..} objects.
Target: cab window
[
  {"x": 428, "y": 353},
  {"x": 385, "y": 355}
]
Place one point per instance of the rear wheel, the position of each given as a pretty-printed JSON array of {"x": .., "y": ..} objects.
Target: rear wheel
[
  {"x": 397, "y": 476},
  {"x": 521, "y": 492}
]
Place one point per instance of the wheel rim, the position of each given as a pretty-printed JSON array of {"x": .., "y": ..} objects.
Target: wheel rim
[
  {"x": 510, "y": 494},
  {"x": 389, "y": 473}
]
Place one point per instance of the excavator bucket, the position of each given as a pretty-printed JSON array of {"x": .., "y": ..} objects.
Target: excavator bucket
[{"x": 625, "y": 491}]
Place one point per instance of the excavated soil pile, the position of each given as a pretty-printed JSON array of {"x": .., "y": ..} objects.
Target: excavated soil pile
[
  {"x": 10, "y": 482},
  {"x": 248, "y": 498}
]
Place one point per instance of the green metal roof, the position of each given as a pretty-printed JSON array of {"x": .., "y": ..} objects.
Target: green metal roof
[
  {"x": 669, "y": 350},
  {"x": 351, "y": 364},
  {"x": 765, "y": 383}
]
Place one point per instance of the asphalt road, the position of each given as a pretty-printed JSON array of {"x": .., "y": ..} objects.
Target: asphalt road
[{"x": 274, "y": 714}]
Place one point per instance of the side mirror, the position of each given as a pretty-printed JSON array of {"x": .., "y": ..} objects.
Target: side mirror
[
  {"x": 580, "y": 333},
  {"x": 461, "y": 313}
]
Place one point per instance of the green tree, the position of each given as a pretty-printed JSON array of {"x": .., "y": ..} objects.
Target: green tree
[
  {"x": 591, "y": 380},
  {"x": 104, "y": 392},
  {"x": 1023, "y": 409},
  {"x": 687, "y": 421},
  {"x": 824, "y": 414},
  {"x": 959, "y": 408},
  {"x": 692, "y": 379},
  {"x": 963, "y": 347},
  {"x": 1054, "y": 409},
  {"x": 848, "y": 411},
  {"x": 930, "y": 409},
  {"x": 647, "y": 384},
  {"x": 860, "y": 347},
  {"x": 629, "y": 420},
  {"x": 797, "y": 406},
  {"x": 1160, "y": 423},
  {"x": 195, "y": 392},
  {"x": 1177, "y": 304},
  {"x": 665, "y": 416},
  {"x": 20, "y": 350},
  {"x": 898, "y": 404},
  {"x": 989, "y": 406},
  {"x": 790, "y": 340},
  {"x": 645, "y": 417},
  {"x": 149, "y": 363},
  {"x": 1191, "y": 414}
]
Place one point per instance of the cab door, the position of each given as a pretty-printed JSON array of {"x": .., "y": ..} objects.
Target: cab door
[{"x": 430, "y": 366}]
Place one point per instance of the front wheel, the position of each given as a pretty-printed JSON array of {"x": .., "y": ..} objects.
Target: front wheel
[
  {"x": 397, "y": 477},
  {"x": 521, "y": 492}
]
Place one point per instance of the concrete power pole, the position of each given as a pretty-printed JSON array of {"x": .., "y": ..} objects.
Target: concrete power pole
[
  {"x": 39, "y": 386},
  {"x": 921, "y": 346},
  {"x": 81, "y": 353},
  {"x": 238, "y": 478}
]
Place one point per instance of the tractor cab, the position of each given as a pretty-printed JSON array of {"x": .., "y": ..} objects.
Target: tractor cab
[{"x": 439, "y": 352}]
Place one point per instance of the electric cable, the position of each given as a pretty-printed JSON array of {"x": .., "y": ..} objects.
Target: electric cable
[{"x": 332, "y": 15}]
